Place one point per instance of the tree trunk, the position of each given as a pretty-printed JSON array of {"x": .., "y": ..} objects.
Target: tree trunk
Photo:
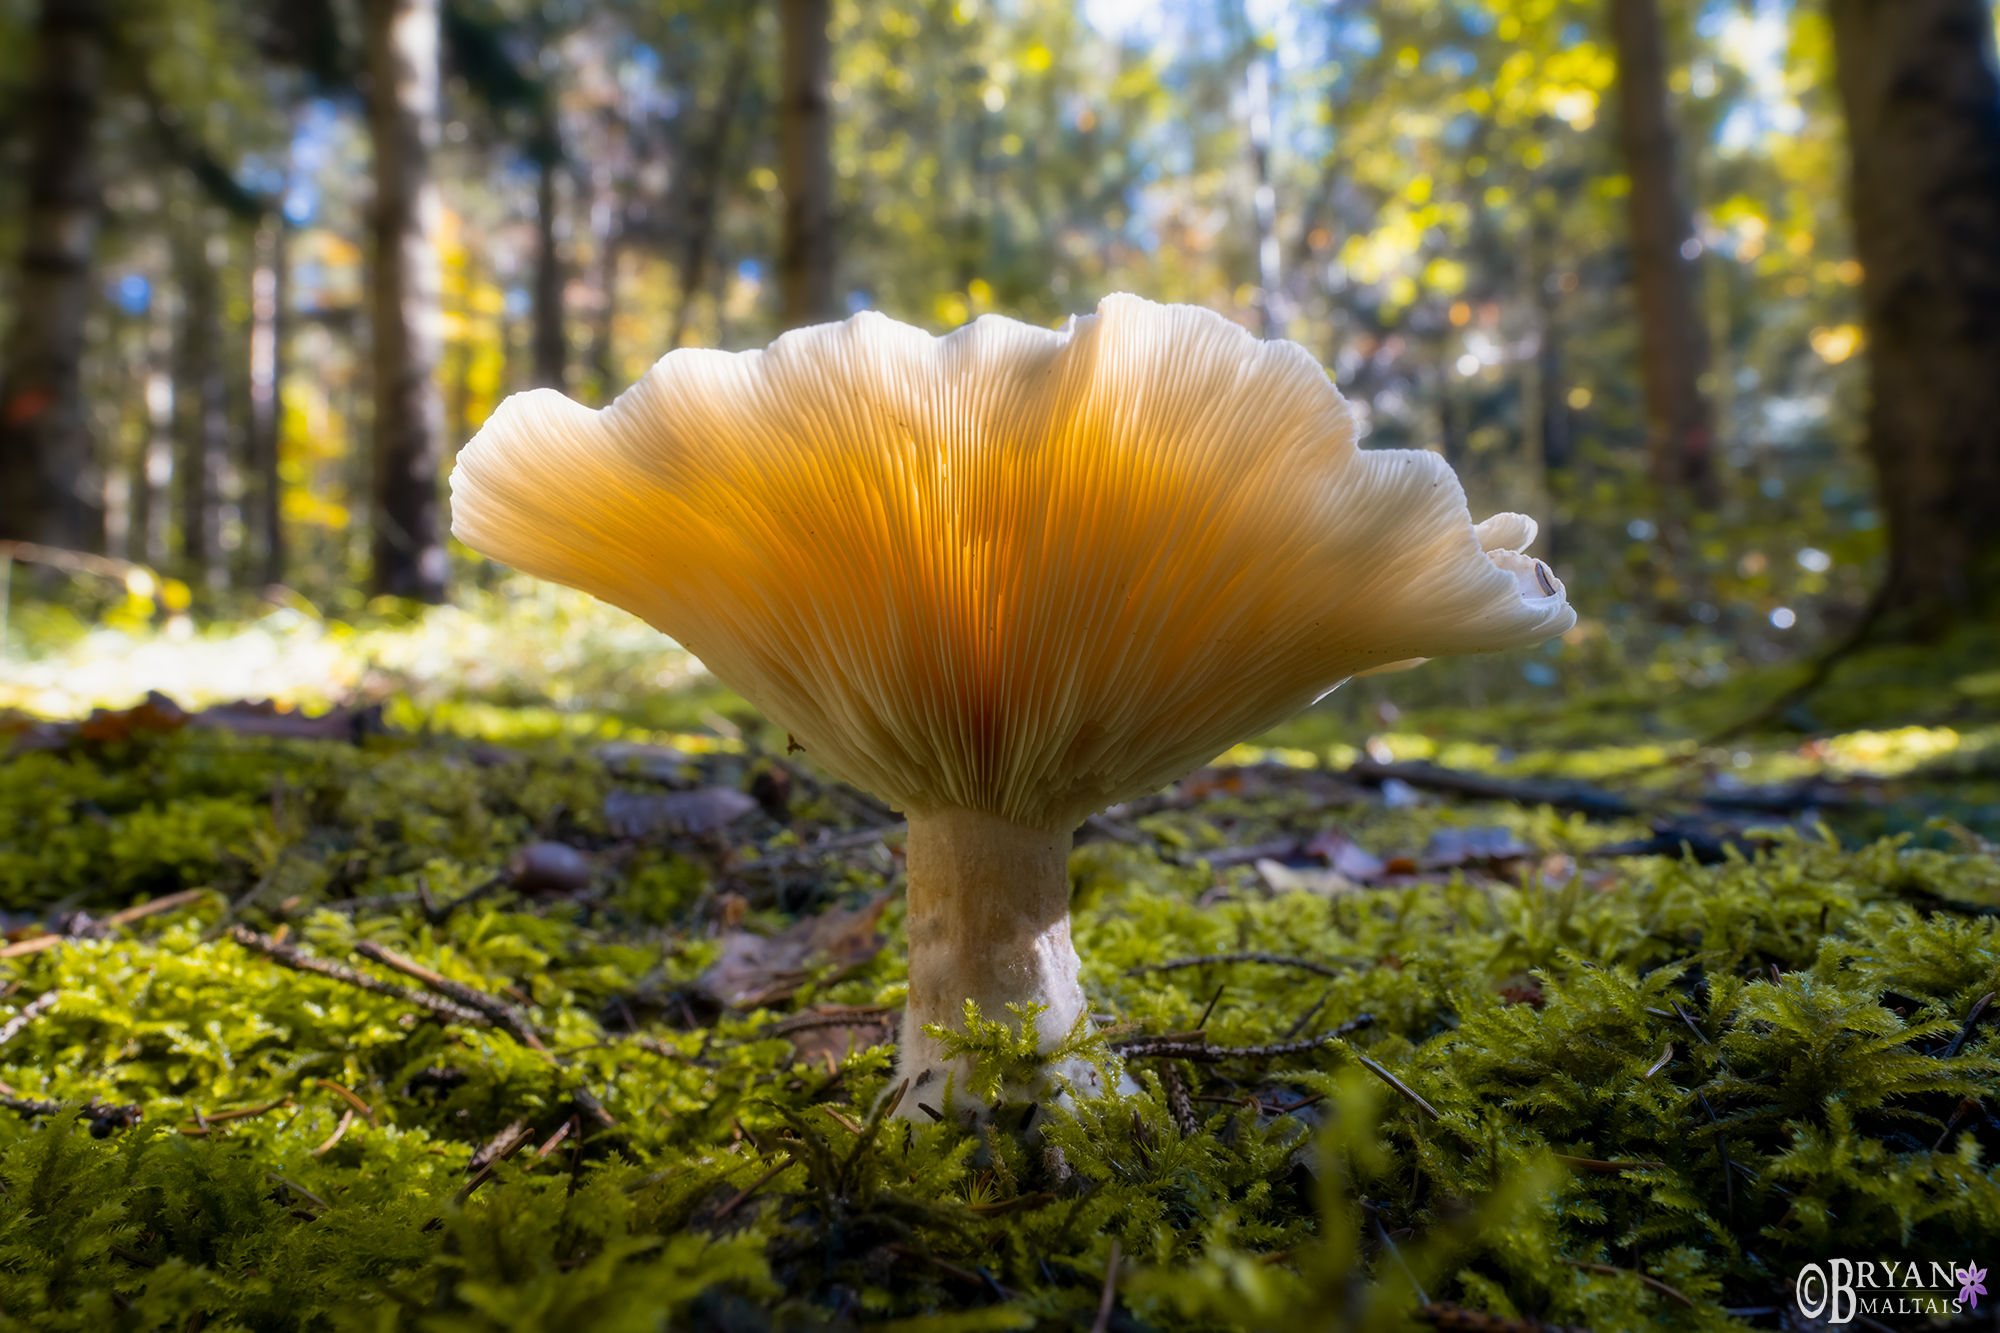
[
  {"x": 1673, "y": 345},
  {"x": 705, "y": 186},
  {"x": 45, "y": 444},
  {"x": 202, "y": 398},
  {"x": 1923, "y": 124},
  {"x": 407, "y": 548},
  {"x": 267, "y": 343},
  {"x": 805, "y": 171},
  {"x": 607, "y": 226},
  {"x": 551, "y": 345}
]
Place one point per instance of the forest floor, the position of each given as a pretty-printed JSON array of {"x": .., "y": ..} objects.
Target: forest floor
[{"x": 496, "y": 1008}]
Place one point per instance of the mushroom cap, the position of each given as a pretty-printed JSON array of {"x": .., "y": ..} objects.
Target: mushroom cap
[{"x": 1017, "y": 570}]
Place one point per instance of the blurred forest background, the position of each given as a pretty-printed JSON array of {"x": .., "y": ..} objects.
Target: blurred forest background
[{"x": 267, "y": 263}]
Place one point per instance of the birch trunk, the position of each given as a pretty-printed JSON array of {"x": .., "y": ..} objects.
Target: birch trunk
[
  {"x": 406, "y": 546},
  {"x": 1923, "y": 124},
  {"x": 45, "y": 445}
]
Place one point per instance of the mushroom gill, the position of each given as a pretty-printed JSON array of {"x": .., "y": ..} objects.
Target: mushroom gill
[{"x": 1005, "y": 577}]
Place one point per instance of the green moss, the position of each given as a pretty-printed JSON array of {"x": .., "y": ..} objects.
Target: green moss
[{"x": 1766, "y": 1052}]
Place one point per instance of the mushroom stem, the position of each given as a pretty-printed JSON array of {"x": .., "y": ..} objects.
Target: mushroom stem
[{"x": 988, "y": 922}]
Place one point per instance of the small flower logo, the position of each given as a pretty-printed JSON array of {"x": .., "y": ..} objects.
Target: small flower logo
[{"x": 1971, "y": 1286}]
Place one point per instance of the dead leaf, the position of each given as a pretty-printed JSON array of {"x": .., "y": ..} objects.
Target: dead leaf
[
  {"x": 158, "y": 714},
  {"x": 1309, "y": 879},
  {"x": 1343, "y": 854},
  {"x": 1458, "y": 846},
  {"x": 638, "y": 814},
  {"x": 754, "y": 970}
]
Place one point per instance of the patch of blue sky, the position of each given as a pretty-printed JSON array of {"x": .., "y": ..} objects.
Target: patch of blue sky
[
  {"x": 1755, "y": 41},
  {"x": 1455, "y": 60}
]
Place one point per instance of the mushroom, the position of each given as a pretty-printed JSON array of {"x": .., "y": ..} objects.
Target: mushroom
[{"x": 1004, "y": 579}]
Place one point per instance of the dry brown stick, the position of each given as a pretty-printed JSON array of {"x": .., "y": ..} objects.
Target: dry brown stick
[
  {"x": 964, "y": 1275},
  {"x": 31, "y": 1011},
  {"x": 754, "y": 1186},
  {"x": 1595, "y": 1164},
  {"x": 1964, "y": 1033},
  {"x": 106, "y": 1114},
  {"x": 1456, "y": 1319},
  {"x": 1201, "y": 1052},
  {"x": 1567, "y": 795},
  {"x": 1109, "y": 1300},
  {"x": 204, "y": 1122},
  {"x": 1379, "y": 1072},
  {"x": 866, "y": 1016},
  {"x": 339, "y": 1132},
  {"x": 498, "y": 1010},
  {"x": 156, "y": 905},
  {"x": 35, "y": 945},
  {"x": 486, "y": 1171},
  {"x": 349, "y": 1096},
  {"x": 298, "y": 1189},
  {"x": 1178, "y": 1105},
  {"x": 287, "y": 956},
  {"x": 1651, "y": 1283},
  {"x": 1206, "y": 960}
]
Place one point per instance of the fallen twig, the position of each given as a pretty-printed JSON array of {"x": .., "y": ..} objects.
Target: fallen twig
[
  {"x": 796, "y": 855},
  {"x": 1562, "y": 795},
  {"x": 1190, "y": 1046},
  {"x": 1957, "y": 1043},
  {"x": 339, "y": 1133},
  {"x": 349, "y": 1096},
  {"x": 1455, "y": 1319},
  {"x": 493, "y": 1164},
  {"x": 498, "y": 1010},
  {"x": 1206, "y": 960},
  {"x": 1178, "y": 1105},
  {"x": 1379, "y": 1072},
  {"x": 1203, "y": 1053},
  {"x": 1651, "y": 1283},
  {"x": 754, "y": 1186},
  {"x": 864, "y": 1016},
  {"x": 1594, "y": 1164},
  {"x": 964, "y": 1275},
  {"x": 287, "y": 956},
  {"x": 297, "y": 1189},
  {"x": 103, "y": 1116},
  {"x": 204, "y": 1122},
  {"x": 1109, "y": 1300},
  {"x": 30, "y": 1011}
]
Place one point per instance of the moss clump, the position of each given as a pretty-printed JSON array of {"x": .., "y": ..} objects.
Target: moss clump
[{"x": 1643, "y": 1093}]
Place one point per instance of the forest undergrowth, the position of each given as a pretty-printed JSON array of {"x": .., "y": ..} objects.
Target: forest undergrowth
[{"x": 336, "y": 1024}]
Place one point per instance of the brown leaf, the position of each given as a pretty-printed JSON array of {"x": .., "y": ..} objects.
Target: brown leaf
[
  {"x": 755, "y": 969},
  {"x": 158, "y": 713}
]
